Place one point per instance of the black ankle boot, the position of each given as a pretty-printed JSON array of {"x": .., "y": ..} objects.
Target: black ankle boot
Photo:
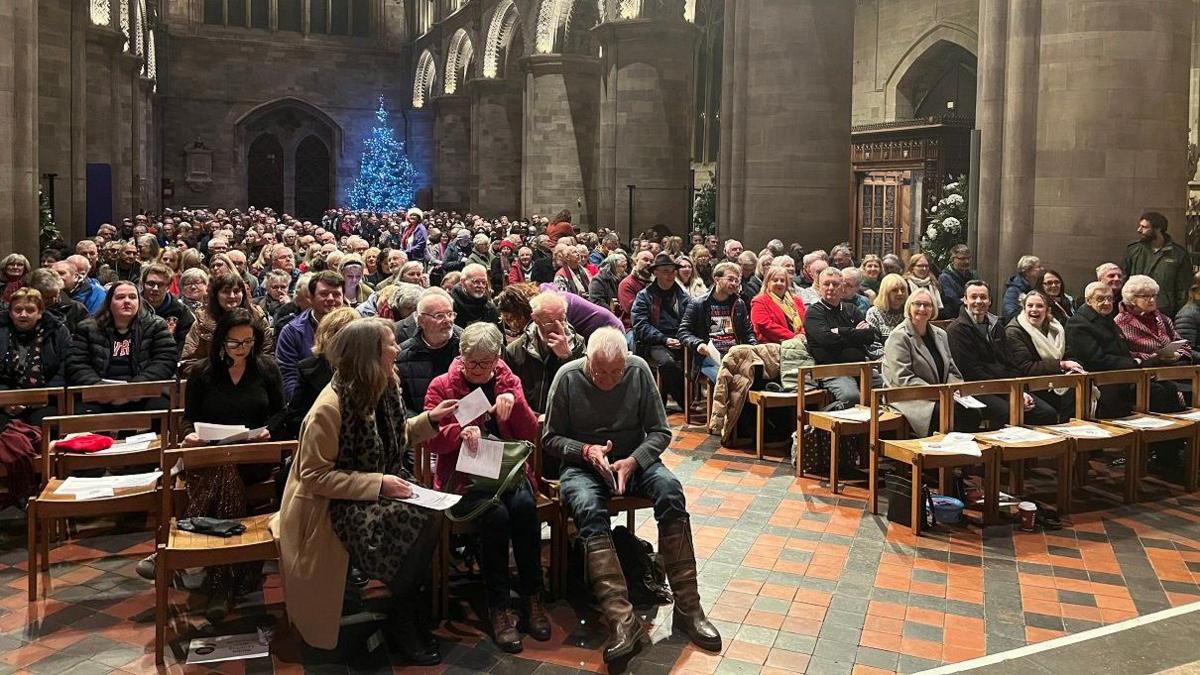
[{"x": 404, "y": 638}]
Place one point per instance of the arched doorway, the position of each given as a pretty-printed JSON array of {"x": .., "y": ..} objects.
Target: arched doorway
[
  {"x": 312, "y": 179},
  {"x": 940, "y": 82},
  {"x": 264, "y": 187}
]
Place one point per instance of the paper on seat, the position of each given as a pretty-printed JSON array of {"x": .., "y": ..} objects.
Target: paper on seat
[
  {"x": 1019, "y": 435},
  {"x": 1144, "y": 422},
  {"x": 953, "y": 444},
  {"x": 1081, "y": 430}
]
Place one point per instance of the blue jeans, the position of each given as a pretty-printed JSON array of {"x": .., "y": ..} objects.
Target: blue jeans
[
  {"x": 845, "y": 389},
  {"x": 586, "y": 497}
]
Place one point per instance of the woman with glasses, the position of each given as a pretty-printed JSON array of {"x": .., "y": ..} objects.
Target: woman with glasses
[
  {"x": 227, "y": 292},
  {"x": 919, "y": 274},
  {"x": 918, "y": 353},
  {"x": 1151, "y": 334},
  {"x": 514, "y": 520},
  {"x": 193, "y": 288},
  {"x": 235, "y": 384}
]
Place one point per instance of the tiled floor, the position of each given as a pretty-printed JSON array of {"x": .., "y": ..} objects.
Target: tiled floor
[{"x": 797, "y": 580}]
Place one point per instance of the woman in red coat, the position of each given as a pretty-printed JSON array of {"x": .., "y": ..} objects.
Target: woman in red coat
[
  {"x": 515, "y": 518},
  {"x": 776, "y": 313}
]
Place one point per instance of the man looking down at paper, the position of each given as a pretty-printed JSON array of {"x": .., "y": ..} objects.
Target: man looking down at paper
[
  {"x": 607, "y": 423},
  {"x": 719, "y": 318},
  {"x": 515, "y": 518}
]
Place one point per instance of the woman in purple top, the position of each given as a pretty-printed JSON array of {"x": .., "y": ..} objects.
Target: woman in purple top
[{"x": 585, "y": 316}]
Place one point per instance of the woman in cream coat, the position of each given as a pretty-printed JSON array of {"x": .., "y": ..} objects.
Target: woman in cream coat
[
  {"x": 918, "y": 353},
  {"x": 340, "y": 502}
]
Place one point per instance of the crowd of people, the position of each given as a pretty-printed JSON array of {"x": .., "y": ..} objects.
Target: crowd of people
[{"x": 358, "y": 335}]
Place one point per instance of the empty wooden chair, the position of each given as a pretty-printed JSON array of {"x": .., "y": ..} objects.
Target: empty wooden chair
[{"x": 1189, "y": 375}]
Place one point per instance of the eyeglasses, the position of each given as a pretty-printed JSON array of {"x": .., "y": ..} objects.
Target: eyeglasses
[
  {"x": 922, "y": 305},
  {"x": 440, "y": 316},
  {"x": 239, "y": 344},
  {"x": 1145, "y": 296},
  {"x": 154, "y": 284},
  {"x": 480, "y": 364}
]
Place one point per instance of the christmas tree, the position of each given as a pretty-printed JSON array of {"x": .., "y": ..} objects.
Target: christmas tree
[
  {"x": 947, "y": 222},
  {"x": 386, "y": 180}
]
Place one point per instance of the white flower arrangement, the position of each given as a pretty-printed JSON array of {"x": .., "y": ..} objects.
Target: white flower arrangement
[
  {"x": 932, "y": 232},
  {"x": 952, "y": 224},
  {"x": 953, "y": 200}
]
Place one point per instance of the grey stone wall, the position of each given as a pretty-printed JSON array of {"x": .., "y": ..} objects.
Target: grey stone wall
[
  {"x": 496, "y": 117},
  {"x": 452, "y": 141},
  {"x": 18, "y": 126}
]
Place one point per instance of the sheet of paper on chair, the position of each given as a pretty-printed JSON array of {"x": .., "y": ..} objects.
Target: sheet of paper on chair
[
  {"x": 1081, "y": 430},
  {"x": 1191, "y": 415},
  {"x": 95, "y": 493},
  {"x": 969, "y": 402},
  {"x": 471, "y": 406},
  {"x": 124, "y": 448},
  {"x": 76, "y": 484},
  {"x": 226, "y": 648},
  {"x": 1018, "y": 435},
  {"x": 486, "y": 462},
  {"x": 953, "y": 444},
  {"x": 431, "y": 499},
  {"x": 853, "y": 414},
  {"x": 108, "y": 381},
  {"x": 1144, "y": 422}
]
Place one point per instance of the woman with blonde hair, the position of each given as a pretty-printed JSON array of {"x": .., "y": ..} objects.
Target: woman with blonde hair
[
  {"x": 887, "y": 311},
  {"x": 777, "y": 314},
  {"x": 15, "y": 268},
  {"x": 342, "y": 504},
  {"x": 687, "y": 277}
]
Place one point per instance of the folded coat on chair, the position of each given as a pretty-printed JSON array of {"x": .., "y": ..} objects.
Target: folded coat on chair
[
  {"x": 733, "y": 385},
  {"x": 19, "y": 443}
]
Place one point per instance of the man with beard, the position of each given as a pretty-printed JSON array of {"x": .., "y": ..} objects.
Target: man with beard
[
  {"x": 1158, "y": 256},
  {"x": 471, "y": 301},
  {"x": 633, "y": 284},
  {"x": 128, "y": 266},
  {"x": 156, "y": 280},
  {"x": 429, "y": 353}
]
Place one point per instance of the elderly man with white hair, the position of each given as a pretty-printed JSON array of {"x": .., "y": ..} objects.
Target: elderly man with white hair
[
  {"x": 471, "y": 301},
  {"x": 548, "y": 342},
  {"x": 606, "y": 422}
]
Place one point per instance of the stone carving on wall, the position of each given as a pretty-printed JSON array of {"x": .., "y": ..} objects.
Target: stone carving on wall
[{"x": 198, "y": 166}]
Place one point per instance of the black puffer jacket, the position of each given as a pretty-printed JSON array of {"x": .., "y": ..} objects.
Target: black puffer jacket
[
  {"x": 55, "y": 347},
  {"x": 154, "y": 352},
  {"x": 178, "y": 316},
  {"x": 471, "y": 310},
  {"x": 69, "y": 312},
  {"x": 417, "y": 365}
]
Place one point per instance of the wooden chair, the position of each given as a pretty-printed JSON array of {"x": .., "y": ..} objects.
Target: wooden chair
[
  {"x": 179, "y": 549},
  {"x": 838, "y": 427},
  {"x": 1176, "y": 430},
  {"x": 1191, "y": 375},
  {"x": 765, "y": 400},
  {"x": 33, "y": 398},
  {"x": 49, "y": 507},
  {"x": 1016, "y": 453},
  {"x": 78, "y": 397},
  {"x": 706, "y": 390},
  {"x": 910, "y": 451}
]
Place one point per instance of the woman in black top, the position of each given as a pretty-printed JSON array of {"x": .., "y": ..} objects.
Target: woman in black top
[
  {"x": 33, "y": 352},
  {"x": 236, "y": 384}
]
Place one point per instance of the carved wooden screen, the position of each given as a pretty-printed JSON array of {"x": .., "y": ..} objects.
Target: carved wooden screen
[{"x": 883, "y": 212}]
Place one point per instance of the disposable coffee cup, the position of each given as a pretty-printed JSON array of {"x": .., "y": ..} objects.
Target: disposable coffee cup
[{"x": 1028, "y": 511}]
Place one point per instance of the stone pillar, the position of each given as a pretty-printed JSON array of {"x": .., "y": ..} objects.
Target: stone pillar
[
  {"x": 19, "y": 127},
  {"x": 645, "y": 123},
  {"x": 785, "y": 122},
  {"x": 62, "y": 108},
  {"x": 558, "y": 167},
  {"x": 1090, "y": 133},
  {"x": 452, "y": 152},
  {"x": 496, "y": 114},
  {"x": 420, "y": 148}
]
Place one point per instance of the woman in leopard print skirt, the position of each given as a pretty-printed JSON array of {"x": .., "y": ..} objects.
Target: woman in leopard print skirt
[{"x": 349, "y": 467}]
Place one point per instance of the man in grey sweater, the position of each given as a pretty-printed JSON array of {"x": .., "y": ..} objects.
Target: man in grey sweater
[{"x": 605, "y": 420}]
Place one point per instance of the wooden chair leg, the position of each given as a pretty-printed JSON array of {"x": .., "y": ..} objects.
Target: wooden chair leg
[
  {"x": 1133, "y": 455},
  {"x": 160, "y": 604},
  {"x": 760, "y": 421},
  {"x": 833, "y": 460},
  {"x": 45, "y": 546},
  {"x": 32, "y": 527},
  {"x": 915, "y": 502},
  {"x": 991, "y": 497},
  {"x": 873, "y": 482},
  {"x": 631, "y": 521},
  {"x": 1064, "y": 484},
  {"x": 1191, "y": 459}
]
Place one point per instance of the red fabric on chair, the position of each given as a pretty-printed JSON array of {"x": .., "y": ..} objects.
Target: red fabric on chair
[
  {"x": 18, "y": 450},
  {"x": 85, "y": 443}
]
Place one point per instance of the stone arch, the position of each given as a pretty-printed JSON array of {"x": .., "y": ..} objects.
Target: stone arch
[
  {"x": 505, "y": 23},
  {"x": 459, "y": 61},
  {"x": 563, "y": 26},
  {"x": 423, "y": 81},
  {"x": 290, "y": 121},
  {"x": 931, "y": 45}
]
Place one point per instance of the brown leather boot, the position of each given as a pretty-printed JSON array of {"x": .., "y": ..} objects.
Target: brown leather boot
[
  {"x": 608, "y": 585},
  {"x": 533, "y": 616},
  {"x": 504, "y": 631},
  {"x": 675, "y": 546}
]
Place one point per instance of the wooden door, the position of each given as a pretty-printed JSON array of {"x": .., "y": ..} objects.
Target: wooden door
[{"x": 883, "y": 205}]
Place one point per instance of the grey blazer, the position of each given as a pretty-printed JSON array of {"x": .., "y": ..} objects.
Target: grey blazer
[{"x": 907, "y": 362}]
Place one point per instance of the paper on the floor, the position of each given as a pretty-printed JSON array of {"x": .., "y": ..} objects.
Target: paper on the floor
[
  {"x": 486, "y": 462},
  {"x": 77, "y": 484},
  {"x": 855, "y": 414},
  {"x": 969, "y": 402},
  {"x": 1144, "y": 422},
  {"x": 1081, "y": 430},
  {"x": 431, "y": 499},
  {"x": 953, "y": 444},
  {"x": 226, "y": 648},
  {"x": 1019, "y": 435},
  {"x": 471, "y": 406}
]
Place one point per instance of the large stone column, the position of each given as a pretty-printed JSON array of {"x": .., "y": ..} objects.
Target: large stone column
[
  {"x": 785, "y": 122},
  {"x": 419, "y": 131},
  {"x": 1091, "y": 130},
  {"x": 496, "y": 113},
  {"x": 19, "y": 127},
  {"x": 62, "y": 108},
  {"x": 558, "y": 165},
  {"x": 646, "y": 123},
  {"x": 452, "y": 152}
]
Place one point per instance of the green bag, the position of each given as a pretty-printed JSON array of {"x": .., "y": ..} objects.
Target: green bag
[{"x": 512, "y": 471}]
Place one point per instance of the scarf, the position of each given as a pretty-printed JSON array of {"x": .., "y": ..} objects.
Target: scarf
[
  {"x": 929, "y": 284},
  {"x": 1050, "y": 345},
  {"x": 379, "y": 432},
  {"x": 788, "y": 304},
  {"x": 25, "y": 373}
]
